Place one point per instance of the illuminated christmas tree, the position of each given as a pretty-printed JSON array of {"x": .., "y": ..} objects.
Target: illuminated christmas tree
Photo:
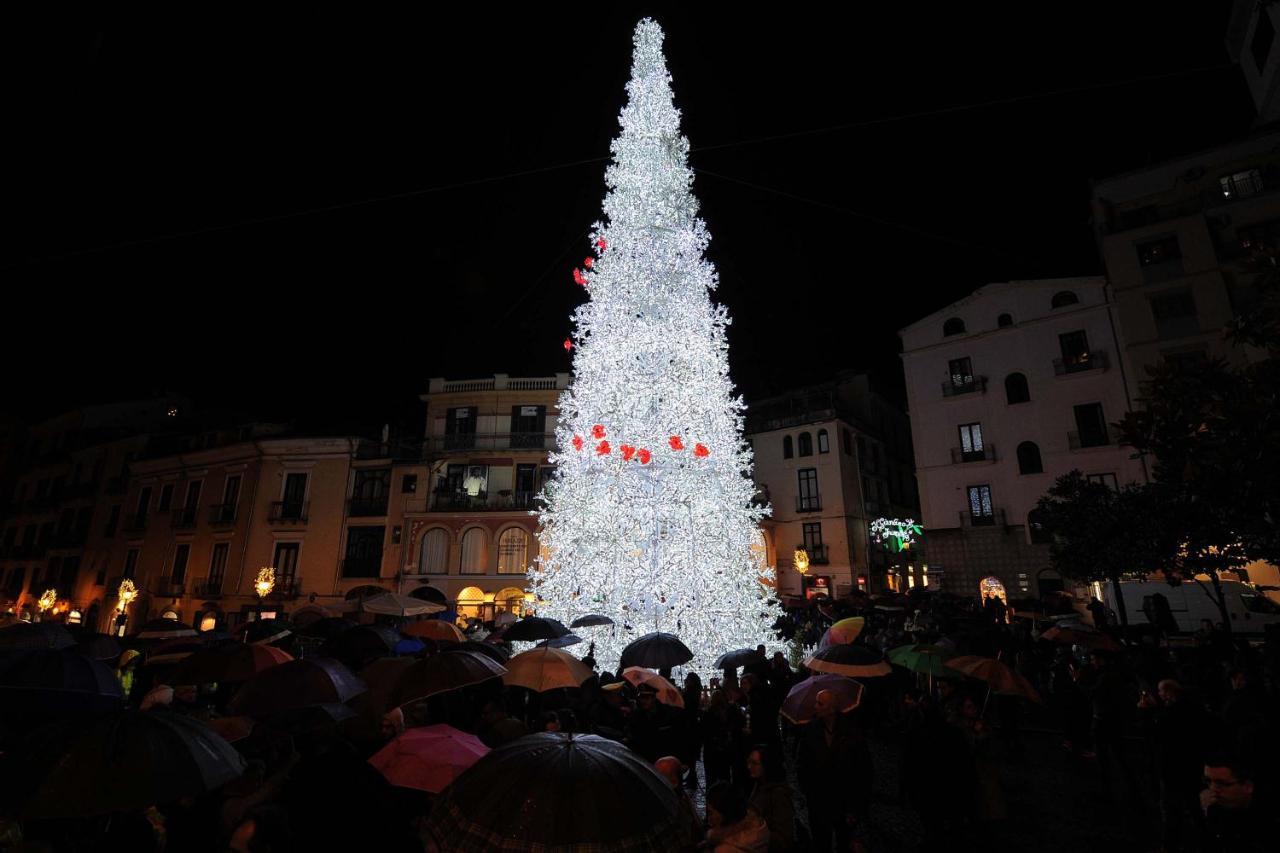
[{"x": 649, "y": 519}]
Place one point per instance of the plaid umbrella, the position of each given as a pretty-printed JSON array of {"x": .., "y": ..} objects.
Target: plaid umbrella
[{"x": 552, "y": 778}]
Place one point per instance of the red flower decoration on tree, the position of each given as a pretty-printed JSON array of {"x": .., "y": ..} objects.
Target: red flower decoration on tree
[
  {"x": 568, "y": 345},
  {"x": 597, "y": 431},
  {"x": 700, "y": 450},
  {"x": 675, "y": 442},
  {"x": 603, "y": 448},
  {"x": 577, "y": 442},
  {"x": 577, "y": 276},
  {"x": 601, "y": 244},
  {"x": 588, "y": 262},
  {"x": 627, "y": 452},
  {"x": 645, "y": 456}
]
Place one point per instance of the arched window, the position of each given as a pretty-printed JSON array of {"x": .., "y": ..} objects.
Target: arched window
[
  {"x": 824, "y": 445},
  {"x": 434, "y": 558},
  {"x": 1004, "y": 320},
  {"x": 954, "y": 326},
  {"x": 805, "y": 444},
  {"x": 475, "y": 552},
  {"x": 471, "y": 602},
  {"x": 509, "y": 600},
  {"x": 1029, "y": 458},
  {"x": 1015, "y": 388},
  {"x": 1063, "y": 298},
  {"x": 513, "y": 551},
  {"x": 787, "y": 452}
]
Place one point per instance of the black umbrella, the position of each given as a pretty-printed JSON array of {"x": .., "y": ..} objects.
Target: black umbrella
[
  {"x": 296, "y": 684},
  {"x": 737, "y": 658},
  {"x": 535, "y": 628},
  {"x": 327, "y": 628},
  {"x": 165, "y": 629},
  {"x": 591, "y": 620},
  {"x": 361, "y": 643},
  {"x": 443, "y": 672},
  {"x": 499, "y": 654},
  {"x": 656, "y": 651},
  {"x": 561, "y": 642},
  {"x": 58, "y": 682},
  {"x": 264, "y": 630},
  {"x": 103, "y": 647},
  {"x": 35, "y": 635},
  {"x": 551, "y": 776},
  {"x": 129, "y": 760}
]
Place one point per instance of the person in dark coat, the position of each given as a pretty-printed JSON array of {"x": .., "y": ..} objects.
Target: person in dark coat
[
  {"x": 1175, "y": 729},
  {"x": 1234, "y": 820},
  {"x": 691, "y": 727},
  {"x": 653, "y": 728},
  {"x": 835, "y": 773},
  {"x": 722, "y": 732},
  {"x": 771, "y": 797},
  {"x": 1111, "y": 703},
  {"x": 762, "y": 709}
]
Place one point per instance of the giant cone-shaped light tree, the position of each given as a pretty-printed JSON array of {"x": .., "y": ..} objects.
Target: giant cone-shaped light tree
[{"x": 649, "y": 518}]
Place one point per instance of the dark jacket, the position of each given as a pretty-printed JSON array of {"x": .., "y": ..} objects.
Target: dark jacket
[
  {"x": 775, "y": 802},
  {"x": 837, "y": 770}
]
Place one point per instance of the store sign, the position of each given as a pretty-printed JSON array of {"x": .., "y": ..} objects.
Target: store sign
[
  {"x": 817, "y": 586},
  {"x": 895, "y": 534}
]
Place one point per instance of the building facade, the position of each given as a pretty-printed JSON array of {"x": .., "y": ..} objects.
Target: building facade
[
  {"x": 1008, "y": 389},
  {"x": 829, "y": 460}
]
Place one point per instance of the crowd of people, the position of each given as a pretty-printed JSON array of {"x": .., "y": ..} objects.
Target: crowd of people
[{"x": 1179, "y": 732}]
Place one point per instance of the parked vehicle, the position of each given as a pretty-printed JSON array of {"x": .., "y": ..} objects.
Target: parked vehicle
[{"x": 1249, "y": 608}]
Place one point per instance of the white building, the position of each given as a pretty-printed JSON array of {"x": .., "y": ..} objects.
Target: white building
[{"x": 1007, "y": 390}]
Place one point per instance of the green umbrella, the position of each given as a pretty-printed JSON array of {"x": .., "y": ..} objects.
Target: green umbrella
[{"x": 925, "y": 659}]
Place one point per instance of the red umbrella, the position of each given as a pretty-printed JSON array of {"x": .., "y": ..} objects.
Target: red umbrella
[
  {"x": 428, "y": 758},
  {"x": 233, "y": 662}
]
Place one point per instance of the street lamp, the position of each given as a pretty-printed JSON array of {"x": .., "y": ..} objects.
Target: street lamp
[
  {"x": 801, "y": 560},
  {"x": 46, "y": 601},
  {"x": 124, "y": 597},
  {"x": 264, "y": 584}
]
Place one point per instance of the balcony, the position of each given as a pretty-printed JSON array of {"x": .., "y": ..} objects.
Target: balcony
[
  {"x": 134, "y": 523},
  {"x": 183, "y": 519},
  {"x": 808, "y": 503},
  {"x": 1081, "y": 363},
  {"x": 958, "y": 385},
  {"x": 170, "y": 588},
  {"x": 367, "y": 506},
  {"x": 369, "y": 566},
  {"x": 985, "y": 454},
  {"x": 995, "y": 518},
  {"x": 818, "y": 555},
  {"x": 208, "y": 587},
  {"x": 222, "y": 515},
  {"x": 1092, "y": 438},
  {"x": 403, "y": 451},
  {"x": 471, "y": 441},
  {"x": 288, "y": 512},
  {"x": 285, "y": 588},
  {"x": 448, "y": 501}
]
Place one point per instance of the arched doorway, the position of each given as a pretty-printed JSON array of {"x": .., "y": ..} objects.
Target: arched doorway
[
  {"x": 430, "y": 593},
  {"x": 992, "y": 586},
  {"x": 471, "y": 603},
  {"x": 509, "y": 600}
]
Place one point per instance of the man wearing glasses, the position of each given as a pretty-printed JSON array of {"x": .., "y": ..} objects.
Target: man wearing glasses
[{"x": 1234, "y": 821}]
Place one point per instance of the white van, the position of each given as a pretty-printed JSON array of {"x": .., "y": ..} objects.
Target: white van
[{"x": 1250, "y": 610}]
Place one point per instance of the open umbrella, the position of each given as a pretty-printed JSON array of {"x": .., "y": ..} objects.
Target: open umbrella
[
  {"x": 545, "y": 669},
  {"x": 428, "y": 758},
  {"x": 554, "y": 777},
  {"x": 800, "y": 704},
  {"x": 382, "y": 676},
  {"x": 264, "y": 631},
  {"x": 232, "y": 662},
  {"x": 842, "y": 632},
  {"x": 129, "y": 760},
  {"x": 922, "y": 659},
  {"x": 591, "y": 620},
  {"x": 296, "y": 684},
  {"x": 1001, "y": 678},
  {"x": 58, "y": 682},
  {"x": 656, "y": 651},
  {"x": 35, "y": 635},
  {"x": 562, "y": 642},
  {"x": 390, "y": 604},
  {"x": 443, "y": 672},
  {"x": 638, "y": 676},
  {"x": 1078, "y": 635},
  {"x": 737, "y": 658},
  {"x": 535, "y": 628},
  {"x": 169, "y": 652},
  {"x": 504, "y": 618},
  {"x": 408, "y": 646},
  {"x": 497, "y": 653},
  {"x": 103, "y": 647},
  {"x": 165, "y": 629},
  {"x": 433, "y": 629},
  {"x": 326, "y": 627},
  {"x": 852, "y": 660},
  {"x": 361, "y": 643}
]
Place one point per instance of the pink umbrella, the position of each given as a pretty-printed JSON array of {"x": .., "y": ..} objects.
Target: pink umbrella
[
  {"x": 428, "y": 758},
  {"x": 799, "y": 705}
]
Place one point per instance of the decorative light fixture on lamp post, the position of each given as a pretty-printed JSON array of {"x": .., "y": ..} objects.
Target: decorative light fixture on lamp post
[
  {"x": 124, "y": 597},
  {"x": 46, "y": 601},
  {"x": 801, "y": 560},
  {"x": 265, "y": 583}
]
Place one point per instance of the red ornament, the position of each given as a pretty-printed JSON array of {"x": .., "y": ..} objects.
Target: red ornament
[
  {"x": 597, "y": 431},
  {"x": 601, "y": 244},
  {"x": 627, "y": 452},
  {"x": 577, "y": 276},
  {"x": 645, "y": 456},
  {"x": 700, "y": 450},
  {"x": 603, "y": 448},
  {"x": 675, "y": 442},
  {"x": 577, "y": 442},
  {"x": 588, "y": 262},
  {"x": 568, "y": 345}
]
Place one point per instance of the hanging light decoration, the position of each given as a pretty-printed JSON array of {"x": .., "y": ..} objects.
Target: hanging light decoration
[
  {"x": 125, "y": 595},
  {"x": 47, "y": 600},
  {"x": 801, "y": 560},
  {"x": 266, "y": 581}
]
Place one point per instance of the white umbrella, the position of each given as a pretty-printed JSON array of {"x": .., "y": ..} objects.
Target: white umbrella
[{"x": 390, "y": 604}]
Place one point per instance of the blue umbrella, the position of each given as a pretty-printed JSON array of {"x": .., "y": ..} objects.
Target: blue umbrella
[{"x": 409, "y": 646}]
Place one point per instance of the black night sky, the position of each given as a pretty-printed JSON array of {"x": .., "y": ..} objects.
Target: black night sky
[{"x": 299, "y": 221}]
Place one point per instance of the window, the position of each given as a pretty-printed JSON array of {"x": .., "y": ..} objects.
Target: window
[
  {"x": 960, "y": 371},
  {"x": 370, "y": 491},
  {"x": 1241, "y": 184},
  {"x": 364, "y": 552},
  {"x": 513, "y": 551},
  {"x": 218, "y": 566},
  {"x": 1029, "y": 458},
  {"x": 812, "y": 533},
  {"x": 1091, "y": 426},
  {"x": 971, "y": 448},
  {"x": 1160, "y": 259},
  {"x": 144, "y": 504},
  {"x": 294, "y": 495},
  {"x": 166, "y": 498},
  {"x": 980, "y": 511},
  {"x": 460, "y": 428},
  {"x": 808, "y": 499},
  {"x": 1004, "y": 320},
  {"x": 17, "y": 579},
  {"x": 528, "y": 426},
  {"x": 231, "y": 493},
  {"x": 130, "y": 563},
  {"x": 824, "y": 446},
  {"x": 1075, "y": 351},
  {"x": 1062, "y": 299},
  {"x": 1175, "y": 314},
  {"x": 787, "y": 451},
  {"x": 526, "y": 476},
  {"x": 847, "y": 440},
  {"x": 181, "y": 555},
  {"x": 1108, "y": 480},
  {"x": 475, "y": 549},
  {"x": 435, "y": 552},
  {"x": 286, "y": 563},
  {"x": 409, "y": 484},
  {"x": 1015, "y": 389},
  {"x": 192, "y": 502},
  {"x": 954, "y": 326},
  {"x": 805, "y": 444}
]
